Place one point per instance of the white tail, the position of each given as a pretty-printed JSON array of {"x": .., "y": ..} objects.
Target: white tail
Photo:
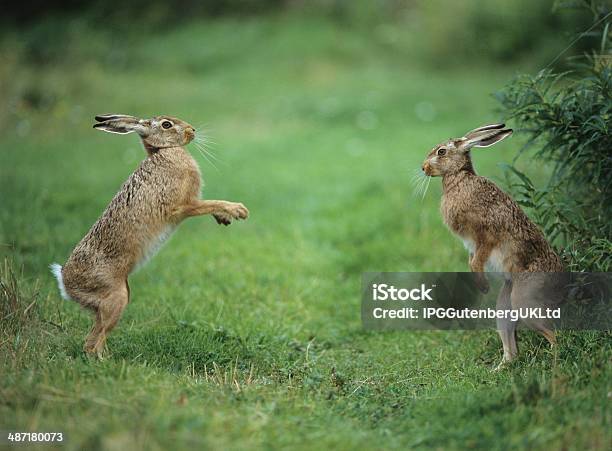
[{"x": 56, "y": 269}]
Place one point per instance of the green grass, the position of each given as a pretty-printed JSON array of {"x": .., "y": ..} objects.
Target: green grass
[{"x": 249, "y": 337}]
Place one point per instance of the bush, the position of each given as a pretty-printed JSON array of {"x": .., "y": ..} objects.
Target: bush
[{"x": 567, "y": 119}]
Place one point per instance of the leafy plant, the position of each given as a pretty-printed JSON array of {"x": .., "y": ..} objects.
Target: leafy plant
[{"x": 567, "y": 118}]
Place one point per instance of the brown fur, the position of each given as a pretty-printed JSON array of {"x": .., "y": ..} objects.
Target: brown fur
[
  {"x": 162, "y": 192},
  {"x": 480, "y": 213}
]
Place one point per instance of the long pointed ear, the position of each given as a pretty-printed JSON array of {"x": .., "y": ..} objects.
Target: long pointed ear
[
  {"x": 112, "y": 128},
  {"x": 117, "y": 123},
  {"x": 484, "y": 128},
  {"x": 486, "y": 139},
  {"x": 108, "y": 117}
]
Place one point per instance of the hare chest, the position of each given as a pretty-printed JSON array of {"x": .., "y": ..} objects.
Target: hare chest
[
  {"x": 153, "y": 245},
  {"x": 495, "y": 263}
]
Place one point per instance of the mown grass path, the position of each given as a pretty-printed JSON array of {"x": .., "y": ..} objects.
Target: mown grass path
[{"x": 249, "y": 336}]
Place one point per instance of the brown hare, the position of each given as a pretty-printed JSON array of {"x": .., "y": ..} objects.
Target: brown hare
[
  {"x": 162, "y": 192},
  {"x": 496, "y": 232}
]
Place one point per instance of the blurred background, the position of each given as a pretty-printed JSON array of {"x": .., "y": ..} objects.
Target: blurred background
[
  {"x": 317, "y": 116},
  {"x": 308, "y": 105}
]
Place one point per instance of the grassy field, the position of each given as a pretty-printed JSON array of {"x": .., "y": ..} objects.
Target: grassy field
[{"x": 249, "y": 337}]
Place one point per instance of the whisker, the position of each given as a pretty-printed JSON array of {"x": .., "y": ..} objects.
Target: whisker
[
  {"x": 205, "y": 139},
  {"x": 415, "y": 180},
  {"x": 416, "y": 175},
  {"x": 207, "y": 145},
  {"x": 418, "y": 181},
  {"x": 204, "y": 132},
  {"x": 426, "y": 188},
  {"x": 418, "y": 186},
  {"x": 206, "y": 157},
  {"x": 203, "y": 142},
  {"x": 210, "y": 153},
  {"x": 423, "y": 189}
]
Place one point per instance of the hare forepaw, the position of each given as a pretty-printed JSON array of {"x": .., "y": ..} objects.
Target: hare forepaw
[
  {"x": 481, "y": 282},
  {"x": 231, "y": 211}
]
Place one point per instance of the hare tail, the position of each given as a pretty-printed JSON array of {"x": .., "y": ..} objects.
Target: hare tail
[{"x": 56, "y": 270}]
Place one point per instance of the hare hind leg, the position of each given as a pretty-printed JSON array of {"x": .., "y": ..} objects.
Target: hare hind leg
[
  {"x": 544, "y": 328},
  {"x": 108, "y": 312},
  {"x": 506, "y": 327},
  {"x": 532, "y": 291}
]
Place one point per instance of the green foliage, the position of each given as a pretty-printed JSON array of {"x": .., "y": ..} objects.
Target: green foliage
[{"x": 567, "y": 119}]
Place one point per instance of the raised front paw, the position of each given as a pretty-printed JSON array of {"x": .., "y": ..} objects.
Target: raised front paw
[
  {"x": 481, "y": 282},
  {"x": 231, "y": 211}
]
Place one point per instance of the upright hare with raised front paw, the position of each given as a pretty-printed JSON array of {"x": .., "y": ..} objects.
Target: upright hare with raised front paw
[
  {"x": 163, "y": 191},
  {"x": 496, "y": 231}
]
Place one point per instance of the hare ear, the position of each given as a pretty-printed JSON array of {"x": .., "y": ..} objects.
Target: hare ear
[
  {"x": 112, "y": 128},
  {"x": 486, "y": 139},
  {"x": 484, "y": 128},
  {"x": 108, "y": 117},
  {"x": 117, "y": 123}
]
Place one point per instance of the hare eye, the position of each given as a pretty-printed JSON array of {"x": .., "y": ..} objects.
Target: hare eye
[
  {"x": 166, "y": 124},
  {"x": 441, "y": 152}
]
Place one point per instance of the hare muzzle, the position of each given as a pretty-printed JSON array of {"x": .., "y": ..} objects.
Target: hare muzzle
[{"x": 190, "y": 134}]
